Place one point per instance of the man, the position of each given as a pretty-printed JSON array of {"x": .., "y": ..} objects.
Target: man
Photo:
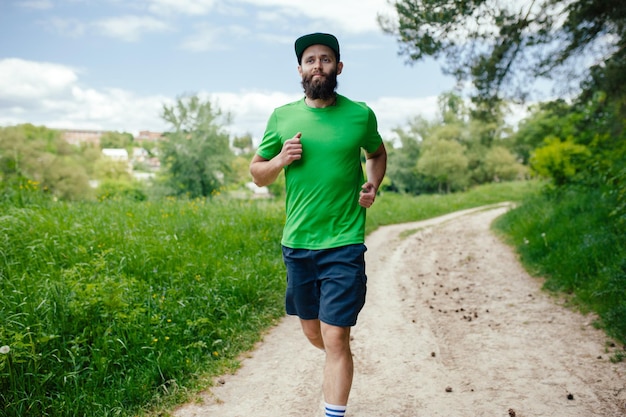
[{"x": 317, "y": 141}]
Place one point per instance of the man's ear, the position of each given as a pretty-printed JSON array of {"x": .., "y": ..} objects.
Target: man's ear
[
  {"x": 339, "y": 67},
  {"x": 300, "y": 70}
]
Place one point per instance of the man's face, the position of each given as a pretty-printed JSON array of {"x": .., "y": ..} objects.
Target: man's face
[{"x": 319, "y": 70}]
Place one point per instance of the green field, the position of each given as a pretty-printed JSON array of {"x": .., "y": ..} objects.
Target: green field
[{"x": 121, "y": 308}]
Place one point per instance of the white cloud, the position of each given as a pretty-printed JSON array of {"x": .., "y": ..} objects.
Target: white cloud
[
  {"x": 130, "y": 28},
  {"x": 394, "y": 112},
  {"x": 251, "y": 109},
  {"x": 51, "y": 95},
  {"x": 188, "y": 7},
  {"x": 28, "y": 80}
]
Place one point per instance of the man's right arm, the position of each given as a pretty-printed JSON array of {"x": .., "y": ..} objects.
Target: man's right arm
[{"x": 265, "y": 171}]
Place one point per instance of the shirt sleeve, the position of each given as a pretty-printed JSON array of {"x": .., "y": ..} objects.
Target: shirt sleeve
[
  {"x": 271, "y": 144},
  {"x": 372, "y": 138}
]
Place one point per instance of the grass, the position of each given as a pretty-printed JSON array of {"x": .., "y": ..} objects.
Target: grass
[{"x": 109, "y": 307}]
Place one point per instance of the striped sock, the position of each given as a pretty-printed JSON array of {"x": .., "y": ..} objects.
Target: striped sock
[{"x": 334, "y": 410}]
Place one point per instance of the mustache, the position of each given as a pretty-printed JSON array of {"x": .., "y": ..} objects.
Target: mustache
[
  {"x": 322, "y": 73},
  {"x": 323, "y": 88}
]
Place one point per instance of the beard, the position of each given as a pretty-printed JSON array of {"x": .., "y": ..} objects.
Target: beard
[{"x": 321, "y": 88}]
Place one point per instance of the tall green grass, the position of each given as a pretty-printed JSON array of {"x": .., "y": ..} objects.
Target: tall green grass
[
  {"x": 107, "y": 307},
  {"x": 117, "y": 307},
  {"x": 570, "y": 238}
]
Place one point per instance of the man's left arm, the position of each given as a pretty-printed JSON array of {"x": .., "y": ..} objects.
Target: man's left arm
[{"x": 375, "y": 168}]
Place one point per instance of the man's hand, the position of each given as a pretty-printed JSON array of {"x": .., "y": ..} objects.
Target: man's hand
[
  {"x": 367, "y": 195},
  {"x": 265, "y": 171},
  {"x": 292, "y": 150}
]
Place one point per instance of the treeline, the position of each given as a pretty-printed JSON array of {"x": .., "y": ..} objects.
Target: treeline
[{"x": 199, "y": 159}]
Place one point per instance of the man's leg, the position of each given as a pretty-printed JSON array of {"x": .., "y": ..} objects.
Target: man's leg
[
  {"x": 313, "y": 332},
  {"x": 339, "y": 368}
]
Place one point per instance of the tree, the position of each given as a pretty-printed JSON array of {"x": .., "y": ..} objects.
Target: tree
[
  {"x": 38, "y": 154},
  {"x": 65, "y": 178},
  {"x": 444, "y": 160},
  {"x": 108, "y": 169},
  {"x": 501, "y": 46},
  {"x": 544, "y": 120},
  {"x": 195, "y": 153},
  {"x": 401, "y": 167},
  {"x": 500, "y": 165},
  {"x": 560, "y": 160},
  {"x": 116, "y": 140},
  {"x": 243, "y": 143}
]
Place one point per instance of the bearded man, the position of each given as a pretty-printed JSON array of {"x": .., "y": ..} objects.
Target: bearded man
[{"x": 317, "y": 141}]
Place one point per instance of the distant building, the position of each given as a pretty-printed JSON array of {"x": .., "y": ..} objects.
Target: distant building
[
  {"x": 148, "y": 136},
  {"x": 78, "y": 137},
  {"x": 116, "y": 154}
]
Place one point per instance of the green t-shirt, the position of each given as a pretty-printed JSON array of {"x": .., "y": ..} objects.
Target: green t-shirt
[{"x": 323, "y": 187}]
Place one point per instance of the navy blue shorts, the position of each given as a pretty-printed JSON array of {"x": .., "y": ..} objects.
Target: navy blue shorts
[{"x": 326, "y": 284}]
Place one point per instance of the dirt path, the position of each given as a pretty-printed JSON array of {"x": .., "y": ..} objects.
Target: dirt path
[{"x": 453, "y": 326}]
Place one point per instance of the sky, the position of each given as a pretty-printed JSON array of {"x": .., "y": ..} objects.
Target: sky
[{"x": 114, "y": 64}]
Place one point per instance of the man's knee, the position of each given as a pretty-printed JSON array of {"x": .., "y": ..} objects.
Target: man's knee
[{"x": 335, "y": 338}]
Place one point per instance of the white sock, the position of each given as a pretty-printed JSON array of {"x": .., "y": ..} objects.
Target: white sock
[{"x": 334, "y": 410}]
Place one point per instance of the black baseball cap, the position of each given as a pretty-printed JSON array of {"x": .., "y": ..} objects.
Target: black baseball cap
[{"x": 325, "y": 39}]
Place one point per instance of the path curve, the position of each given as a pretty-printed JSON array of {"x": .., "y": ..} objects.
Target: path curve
[{"x": 453, "y": 326}]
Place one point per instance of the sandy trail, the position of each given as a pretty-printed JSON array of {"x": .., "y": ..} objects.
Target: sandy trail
[{"x": 453, "y": 326}]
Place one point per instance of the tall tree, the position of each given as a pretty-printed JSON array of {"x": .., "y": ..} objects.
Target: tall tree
[
  {"x": 196, "y": 154},
  {"x": 501, "y": 45},
  {"x": 401, "y": 167},
  {"x": 445, "y": 162}
]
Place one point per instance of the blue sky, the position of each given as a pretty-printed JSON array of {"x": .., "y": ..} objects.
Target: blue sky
[{"x": 113, "y": 64}]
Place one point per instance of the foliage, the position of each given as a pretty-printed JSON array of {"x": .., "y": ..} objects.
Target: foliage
[
  {"x": 113, "y": 189},
  {"x": 109, "y": 307},
  {"x": 243, "y": 143},
  {"x": 402, "y": 161},
  {"x": 195, "y": 155},
  {"x": 500, "y": 46},
  {"x": 560, "y": 160},
  {"x": 472, "y": 151},
  {"x": 110, "y": 169},
  {"x": 545, "y": 119},
  {"x": 116, "y": 140},
  {"x": 500, "y": 165},
  {"x": 445, "y": 161},
  {"x": 38, "y": 154}
]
